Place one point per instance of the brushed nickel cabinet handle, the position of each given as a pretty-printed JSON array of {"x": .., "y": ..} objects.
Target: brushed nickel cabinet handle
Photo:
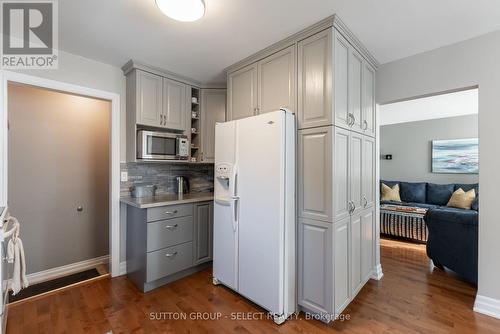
[
  {"x": 365, "y": 125},
  {"x": 171, "y": 227},
  {"x": 170, "y": 212},
  {"x": 171, "y": 254},
  {"x": 365, "y": 202}
]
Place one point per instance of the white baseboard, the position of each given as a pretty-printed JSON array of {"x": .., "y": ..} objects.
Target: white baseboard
[
  {"x": 488, "y": 306},
  {"x": 377, "y": 273},
  {"x": 123, "y": 268},
  {"x": 69, "y": 269}
]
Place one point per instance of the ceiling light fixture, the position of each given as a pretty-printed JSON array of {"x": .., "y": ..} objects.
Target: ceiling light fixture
[{"x": 182, "y": 10}]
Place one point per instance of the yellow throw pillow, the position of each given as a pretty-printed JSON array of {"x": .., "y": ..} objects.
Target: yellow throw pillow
[
  {"x": 461, "y": 199},
  {"x": 390, "y": 194}
]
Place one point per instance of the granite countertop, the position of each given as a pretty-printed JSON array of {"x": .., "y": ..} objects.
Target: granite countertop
[{"x": 167, "y": 199}]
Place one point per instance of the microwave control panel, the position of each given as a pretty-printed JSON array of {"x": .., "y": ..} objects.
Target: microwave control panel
[{"x": 183, "y": 147}]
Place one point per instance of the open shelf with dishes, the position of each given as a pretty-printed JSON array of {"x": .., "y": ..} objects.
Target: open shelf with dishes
[{"x": 194, "y": 132}]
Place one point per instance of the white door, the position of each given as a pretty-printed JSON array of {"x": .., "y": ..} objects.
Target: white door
[
  {"x": 276, "y": 86},
  {"x": 260, "y": 175},
  {"x": 225, "y": 249}
]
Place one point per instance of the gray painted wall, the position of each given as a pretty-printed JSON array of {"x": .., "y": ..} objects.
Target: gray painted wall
[
  {"x": 59, "y": 160},
  {"x": 411, "y": 147},
  {"x": 470, "y": 63}
]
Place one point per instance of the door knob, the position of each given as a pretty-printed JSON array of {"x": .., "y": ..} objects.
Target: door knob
[{"x": 79, "y": 208}]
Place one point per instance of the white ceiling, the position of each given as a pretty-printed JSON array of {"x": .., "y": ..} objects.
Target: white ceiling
[
  {"x": 433, "y": 107},
  {"x": 114, "y": 31}
]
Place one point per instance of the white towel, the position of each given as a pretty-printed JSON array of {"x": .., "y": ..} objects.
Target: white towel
[{"x": 15, "y": 254}]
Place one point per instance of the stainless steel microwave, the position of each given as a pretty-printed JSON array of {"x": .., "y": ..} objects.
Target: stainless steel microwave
[{"x": 152, "y": 145}]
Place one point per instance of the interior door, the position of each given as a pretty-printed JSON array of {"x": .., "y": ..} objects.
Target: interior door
[
  {"x": 242, "y": 93},
  {"x": 355, "y": 170},
  {"x": 276, "y": 87},
  {"x": 260, "y": 160}
]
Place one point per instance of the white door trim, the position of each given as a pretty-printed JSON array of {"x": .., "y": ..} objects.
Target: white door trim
[{"x": 114, "y": 186}]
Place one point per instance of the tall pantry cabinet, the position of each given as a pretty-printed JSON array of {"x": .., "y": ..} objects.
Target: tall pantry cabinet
[
  {"x": 331, "y": 89},
  {"x": 336, "y": 172}
]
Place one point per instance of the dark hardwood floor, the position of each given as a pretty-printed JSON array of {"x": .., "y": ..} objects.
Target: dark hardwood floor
[{"x": 411, "y": 298}]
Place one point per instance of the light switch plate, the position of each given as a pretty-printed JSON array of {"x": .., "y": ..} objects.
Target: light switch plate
[{"x": 124, "y": 176}]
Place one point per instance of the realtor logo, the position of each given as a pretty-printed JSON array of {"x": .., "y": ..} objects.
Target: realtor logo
[{"x": 29, "y": 34}]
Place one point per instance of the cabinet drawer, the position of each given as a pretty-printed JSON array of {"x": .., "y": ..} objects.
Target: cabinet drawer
[
  {"x": 170, "y": 232},
  {"x": 171, "y": 211},
  {"x": 168, "y": 261}
]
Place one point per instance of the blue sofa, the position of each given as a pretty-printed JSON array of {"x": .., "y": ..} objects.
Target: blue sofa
[{"x": 453, "y": 233}]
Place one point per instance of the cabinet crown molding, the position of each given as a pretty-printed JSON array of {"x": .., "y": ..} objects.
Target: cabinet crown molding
[
  {"x": 329, "y": 22},
  {"x": 136, "y": 65}
]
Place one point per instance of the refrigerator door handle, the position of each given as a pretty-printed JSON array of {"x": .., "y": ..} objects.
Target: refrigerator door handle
[{"x": 234, "y": 207}]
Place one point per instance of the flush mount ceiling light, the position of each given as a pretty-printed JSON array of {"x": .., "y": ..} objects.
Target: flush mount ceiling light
[{"x": 182, "y": 10}]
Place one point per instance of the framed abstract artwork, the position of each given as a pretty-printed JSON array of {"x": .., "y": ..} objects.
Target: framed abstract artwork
[{"x": 456, "y": 156}]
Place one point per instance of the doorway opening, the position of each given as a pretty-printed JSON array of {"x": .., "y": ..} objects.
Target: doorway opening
[
  {"x": 58, "y": 184},
  {"x": 429, "y": 180}
]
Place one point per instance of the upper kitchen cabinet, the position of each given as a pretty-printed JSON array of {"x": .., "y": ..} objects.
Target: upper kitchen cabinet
[
  {"x": 315, "y": 80},
  {"x": 149, "y": 98},
  {"x": 213, "y": 110},
  {"x": 242, "y": 93},
  {"x": 174, "y": 105},
  {"x": 276, "y": 81},
  {"x": 263, "y": 86},
  {"x": 369, "y": 115}
]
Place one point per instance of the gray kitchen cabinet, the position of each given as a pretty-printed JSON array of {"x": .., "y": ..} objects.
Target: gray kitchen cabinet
[
  {"x": 315, "y": 173},
  {"x": 355, "y": 252},
  {"x": 367, "y": 243},
  {"x": 168, "y": 242},
  {"x": 356, "y": 170},
  {"x": 341, "y": 171},
  {"x": 276, "y": 81},
  {"x": 369, "y": 114},
  {"x": 315, "y": 285},
  {"x": 369, "y": 179},
  {"x": 355, "y": 89},
  {"x": 149, "y": 98},
  {"x": 242, "y": 93},
  {"x": 314, "y": 80},
  {"x": 203, "y": 232},
  {"x": 341, "y": 78},
  {"x": 213, "y": 110},
  {"x": 341, "y": 259},
  {"x": 174, "y": 104}
]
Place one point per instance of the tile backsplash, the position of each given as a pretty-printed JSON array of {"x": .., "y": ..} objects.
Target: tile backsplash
[{"x": 200, "y": 176}]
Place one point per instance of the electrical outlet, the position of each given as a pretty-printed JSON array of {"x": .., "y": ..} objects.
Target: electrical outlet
[{"x": 124, "y": 176}]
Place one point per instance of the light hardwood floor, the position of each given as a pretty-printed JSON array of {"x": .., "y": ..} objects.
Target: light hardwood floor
[{"x": 411, "y": 298}]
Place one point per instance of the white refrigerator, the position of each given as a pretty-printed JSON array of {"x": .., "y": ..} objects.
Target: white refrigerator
[{"x": 254, "y": 210}]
